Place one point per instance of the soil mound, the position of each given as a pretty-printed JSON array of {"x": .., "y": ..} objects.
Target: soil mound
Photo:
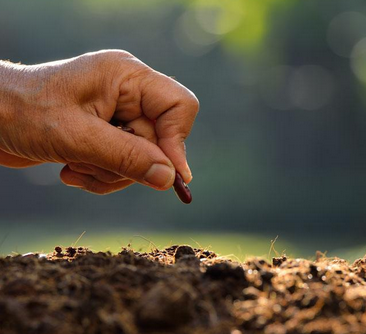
[{"x": 180, "y": 290}]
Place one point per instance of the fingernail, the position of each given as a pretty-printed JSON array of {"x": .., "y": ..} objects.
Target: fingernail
[
  {"x": 186, "y": 174},
  {"x": 81, "y": 168},
  {"x": 160, "y": 175}
]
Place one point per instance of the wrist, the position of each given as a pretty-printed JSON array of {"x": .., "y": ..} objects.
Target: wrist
[{"x": 10, "y": 90}]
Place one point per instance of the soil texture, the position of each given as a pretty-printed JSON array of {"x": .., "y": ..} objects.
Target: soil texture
[{"x": 180, "y": 290}]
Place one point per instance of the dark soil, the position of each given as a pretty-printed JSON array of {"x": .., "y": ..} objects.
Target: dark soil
[{"x": 178, "y": 290}]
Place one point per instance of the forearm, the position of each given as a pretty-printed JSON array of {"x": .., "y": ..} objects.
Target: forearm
[{"x": 15, "y": 97}]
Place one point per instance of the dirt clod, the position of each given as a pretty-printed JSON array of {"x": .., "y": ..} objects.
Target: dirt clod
[
  {"x": 71, "y": 251},
  {"x": 58, "y": 249},
  {"x": 166, "y": 306},
  {"x": 183, "y": 251},
  {"x": 179, "y": 290},
  {"x": 222, "y": 271},
  {"x": 277, "y": 261}
]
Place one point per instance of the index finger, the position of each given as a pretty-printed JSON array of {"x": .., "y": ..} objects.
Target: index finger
[{"x": 174, "y": 109}]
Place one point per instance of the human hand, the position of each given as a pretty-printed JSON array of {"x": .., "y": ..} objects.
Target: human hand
[{"x": 60, "y": 112}]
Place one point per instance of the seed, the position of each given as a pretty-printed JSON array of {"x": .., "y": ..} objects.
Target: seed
[
  {"x": 126, "y": 129},
  {"x": 120, "y": 125},
  {"x": 181, "y": 189}
]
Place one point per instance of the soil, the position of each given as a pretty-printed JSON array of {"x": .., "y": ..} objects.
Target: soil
[{"x": 180, "y": 290}]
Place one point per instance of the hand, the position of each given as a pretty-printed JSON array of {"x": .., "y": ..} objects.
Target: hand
[{"x": 60, "y": 112}]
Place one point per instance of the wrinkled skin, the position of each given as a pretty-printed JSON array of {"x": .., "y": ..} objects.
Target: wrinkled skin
[{"x": 60, "y": 112}]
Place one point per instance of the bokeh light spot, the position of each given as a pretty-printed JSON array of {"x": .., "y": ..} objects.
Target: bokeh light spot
[
  {"x": 346, "y": 30},
  {"x": 358, "y": 61},
  {"x": 219, "y": 16},
  {"x": 191, "y": 38}
]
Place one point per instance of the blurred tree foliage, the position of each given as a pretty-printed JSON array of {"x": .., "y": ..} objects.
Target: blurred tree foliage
[{"x": 280, "y": 141}]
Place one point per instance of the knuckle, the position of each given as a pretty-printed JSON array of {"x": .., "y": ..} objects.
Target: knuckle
[
  {"x": 103, "y": 55},
  {"x": 190, "y": 102},
  {"x": 193, "y": 103},
  {"x": 115, "y": 55},
  {"x": 120, "y": 53},
  {"x": 105, "y": 60}
]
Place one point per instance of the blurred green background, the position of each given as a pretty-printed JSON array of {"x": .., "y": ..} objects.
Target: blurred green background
[{"x": 279, "y": 147}]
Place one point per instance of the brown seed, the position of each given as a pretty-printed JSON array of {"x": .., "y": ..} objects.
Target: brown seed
[
  {"x": 128, "y": 129},
  {"x": 181, "y": 189}
]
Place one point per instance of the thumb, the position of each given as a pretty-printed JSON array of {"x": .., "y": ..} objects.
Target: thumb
[{"x": 133, "y": 157}]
